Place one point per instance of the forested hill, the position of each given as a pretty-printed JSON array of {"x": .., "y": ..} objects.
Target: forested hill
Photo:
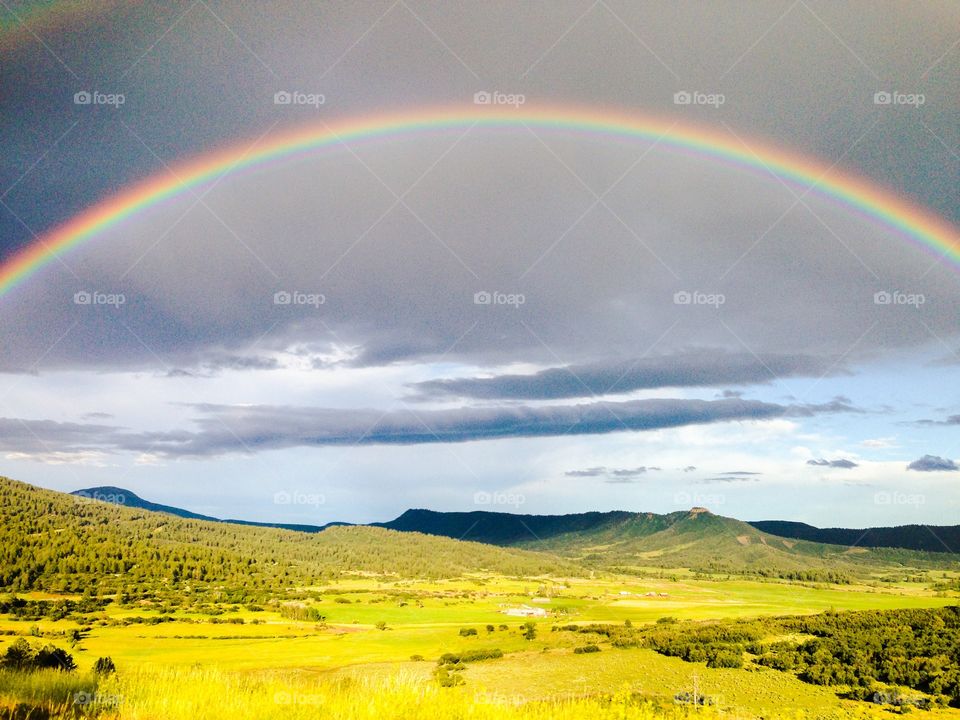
[
  {"x": 500, "y": 528},
  {"x": 930, "y": 538},
  {"x": 695, "y": 538},
  {"x": 55, "y": 541}
]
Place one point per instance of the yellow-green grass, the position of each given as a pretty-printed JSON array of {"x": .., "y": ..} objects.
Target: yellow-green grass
[
  {"x": 350, "y": 637},
  {"x": 152, "y": 693},
  {"x": 255, "y": 660}
]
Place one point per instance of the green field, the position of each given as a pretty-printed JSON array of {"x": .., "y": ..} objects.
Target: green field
[
  {"x": 212, "y": 620},
  {"x": 424, "y": 618}
]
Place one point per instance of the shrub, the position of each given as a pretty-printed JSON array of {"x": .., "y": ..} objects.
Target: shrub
[
  {"x": 19, "y": 655},
  {"x": 104, "y": 666},
  {"x": 467, "y": 632},
  {"x": 457, "y": 659},
  {"x": 725, "y": 659},
  {"x": 586, "y": 649}
]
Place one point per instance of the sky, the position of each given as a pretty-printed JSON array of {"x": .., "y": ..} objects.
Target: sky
[{"x": 525, "y": 318}]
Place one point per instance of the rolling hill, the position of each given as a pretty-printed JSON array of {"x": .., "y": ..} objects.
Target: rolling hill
[
  {"x": 56, "y": 541},
  {"x": 128, "y": 498},
  {"x": 929, "y": 538},
  {"x": 696, "y": 539},
  {"x": 624, "y": 541},
  {"x": 509, "y": 529}
]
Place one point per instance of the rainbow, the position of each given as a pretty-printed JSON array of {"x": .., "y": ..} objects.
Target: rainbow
[
  {"x": 916, "y": 224},
  {"x": 29, "y": 20}
]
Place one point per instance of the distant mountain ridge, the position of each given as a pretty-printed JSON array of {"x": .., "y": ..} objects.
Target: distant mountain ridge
[
  {"x": 127, "y": 498},
  {"x": 606, "y": 529},
  {"x": 928, "y": 538}
]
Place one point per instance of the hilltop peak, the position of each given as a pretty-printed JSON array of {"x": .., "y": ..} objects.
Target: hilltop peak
[{"x": 699, "y": 511}]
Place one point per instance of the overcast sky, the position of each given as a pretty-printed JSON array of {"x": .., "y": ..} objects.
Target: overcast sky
[{"x": 519, "y": 319}]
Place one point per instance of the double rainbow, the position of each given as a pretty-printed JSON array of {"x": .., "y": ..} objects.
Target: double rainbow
[{"x": 916, "y": 224}]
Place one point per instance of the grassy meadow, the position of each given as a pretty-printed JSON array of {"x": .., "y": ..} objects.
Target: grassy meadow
[{"x": 373, "y": 654}]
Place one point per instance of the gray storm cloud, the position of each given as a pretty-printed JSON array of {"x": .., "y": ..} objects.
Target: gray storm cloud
[
  {"x": 933, "y": 463},
  {"x": 691, "y": 369},
  {"x": 514, "y": 211},
  {"x": 248, "y": 429}
]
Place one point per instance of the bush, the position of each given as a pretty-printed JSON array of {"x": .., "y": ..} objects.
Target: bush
[
  {"x": 470, "y": 656},
  {"x": 467, "y": 632},
  {"x": 586, "y": 649},
  {"x": 725, "y": 659},
  {"x": 104, "y": 666},
  {"x": 21, "y": 656}
]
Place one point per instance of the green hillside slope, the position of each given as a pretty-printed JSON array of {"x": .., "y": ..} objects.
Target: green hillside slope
[{"x": 54, "y": 541}]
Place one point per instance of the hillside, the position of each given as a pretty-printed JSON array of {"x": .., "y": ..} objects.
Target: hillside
[
  {"x": 696, "y": 539},
  {"x": 127, "y": 498},
  {"x": 55, "y": 541},
  {"x": 605, "y": 527},
  {"x": 929, "y": 538},
  {"x": 505, "y": 528}
]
